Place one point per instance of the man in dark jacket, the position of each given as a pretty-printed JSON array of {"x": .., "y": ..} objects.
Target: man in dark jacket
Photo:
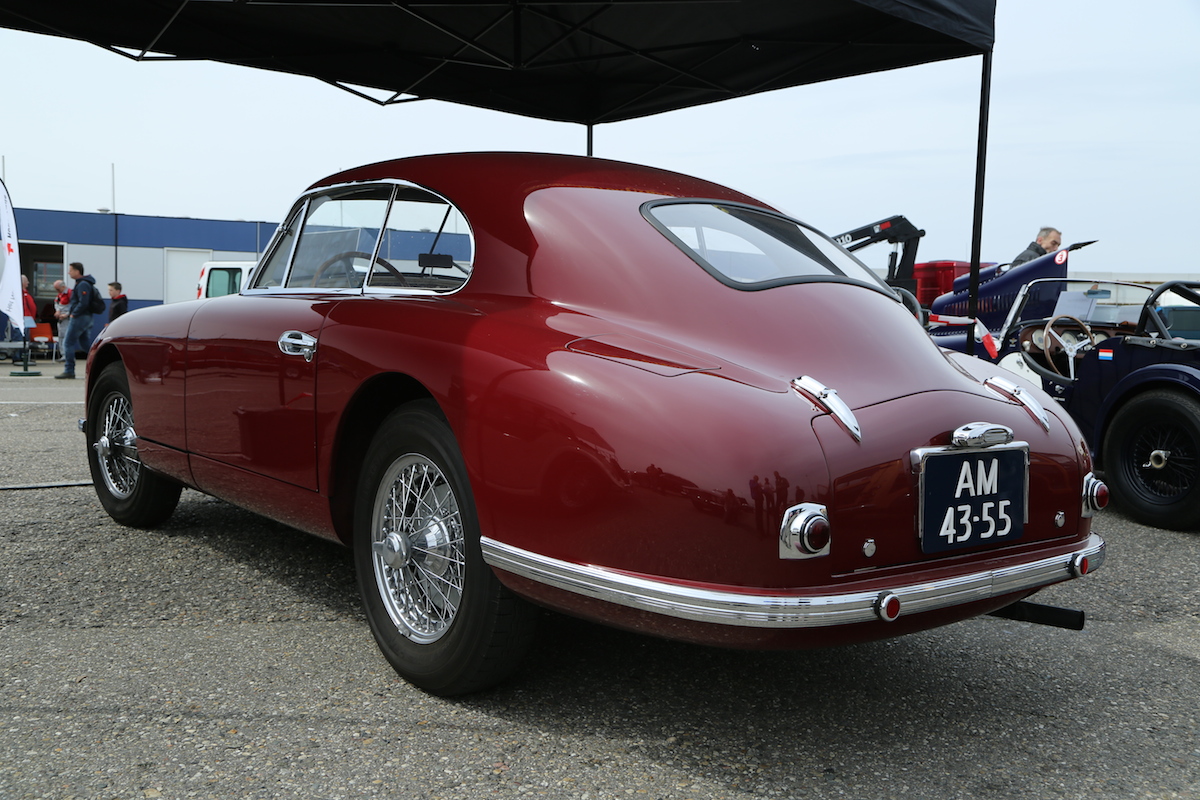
[
  {"x": 120, "y": 303},
  {"x": 78, "y": 320},
  {"x": 1048, "y": 240}
]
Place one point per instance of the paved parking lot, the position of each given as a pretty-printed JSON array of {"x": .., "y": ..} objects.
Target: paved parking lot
[{"x": 226, "y": 656}]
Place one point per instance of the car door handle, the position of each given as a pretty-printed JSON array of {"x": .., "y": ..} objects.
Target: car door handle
[{"x": 297, "y": 343}]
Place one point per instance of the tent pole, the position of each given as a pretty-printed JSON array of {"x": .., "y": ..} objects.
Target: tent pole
[{"x": 985, "y": 92}]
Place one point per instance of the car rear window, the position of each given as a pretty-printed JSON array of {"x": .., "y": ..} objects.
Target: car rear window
[{"x": 748, "y": 248}]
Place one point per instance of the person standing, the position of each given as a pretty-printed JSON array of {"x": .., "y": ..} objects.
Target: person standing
[
  {"x": 78, "y": 319},
  {"x": 28, "y": 304},
  {"x": 62, "y": 300},
  {"x": 29, "y": 311},
  {"x": 1048, "y": 240},
  {"x": 120, "y": 303}
]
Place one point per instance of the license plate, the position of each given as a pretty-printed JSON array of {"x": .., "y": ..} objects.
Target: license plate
[{"x": 973, "y": 498}]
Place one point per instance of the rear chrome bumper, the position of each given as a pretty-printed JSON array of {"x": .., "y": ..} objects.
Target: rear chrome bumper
[{"x": 789, "y": 611}]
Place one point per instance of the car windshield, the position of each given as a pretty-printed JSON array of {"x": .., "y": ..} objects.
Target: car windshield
[
  {"x": 1094, "y": 302},
  {"x": 748, "y": 248}
]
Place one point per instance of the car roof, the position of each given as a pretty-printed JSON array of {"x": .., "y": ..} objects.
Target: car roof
[{"x": 508, "y": 174}]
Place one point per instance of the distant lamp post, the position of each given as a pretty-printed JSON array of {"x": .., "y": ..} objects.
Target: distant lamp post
[{"x": 116, "y": 256}]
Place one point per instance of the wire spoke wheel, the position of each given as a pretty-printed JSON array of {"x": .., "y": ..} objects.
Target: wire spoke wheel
[
  {"x": 418, "y": 548},
  {"x": 130, "y": 493},
  {"x": 1151, "y": 454},
  {"x": 116, "y": 447},
  {"x": 1163, "y": 461},
  {"x": 437, "y": 611}
]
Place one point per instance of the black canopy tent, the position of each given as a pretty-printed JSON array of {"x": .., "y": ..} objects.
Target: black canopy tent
[{"x": 583, "y": 61}]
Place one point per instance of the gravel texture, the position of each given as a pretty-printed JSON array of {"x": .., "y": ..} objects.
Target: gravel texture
[{"x": 226, "y": 656}]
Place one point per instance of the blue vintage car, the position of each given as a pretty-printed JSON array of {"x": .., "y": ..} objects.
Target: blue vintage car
[
  {"x": 999, "y": 286},
  {"x": 1124, "y": 360}
]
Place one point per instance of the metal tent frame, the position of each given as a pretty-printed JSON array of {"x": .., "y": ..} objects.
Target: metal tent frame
[{"x": 583, "y": 61}]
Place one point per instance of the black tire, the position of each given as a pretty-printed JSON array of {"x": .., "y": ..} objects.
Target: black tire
[
  {"x": 438, "y": 612},
  {"x": 1151, "y": 459},
  {"x": 130, "y": 493}
]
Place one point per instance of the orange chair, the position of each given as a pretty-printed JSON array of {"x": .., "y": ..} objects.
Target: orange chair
[{"x": 43, "y": 334}]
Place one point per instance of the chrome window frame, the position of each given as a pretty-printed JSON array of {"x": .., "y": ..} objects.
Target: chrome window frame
[
  {"x": 874, "y": 282},
  {"x": 299, "y": 214}
]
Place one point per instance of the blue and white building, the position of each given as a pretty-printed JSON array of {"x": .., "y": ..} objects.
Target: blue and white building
[{"x": 155, "y": 259}]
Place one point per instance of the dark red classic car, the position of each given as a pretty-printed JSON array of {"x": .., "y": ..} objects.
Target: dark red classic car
[{"x": 511, "y": 380}]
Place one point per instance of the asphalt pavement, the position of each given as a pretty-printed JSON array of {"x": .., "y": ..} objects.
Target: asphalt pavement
[{"x": 223, "y": 655}]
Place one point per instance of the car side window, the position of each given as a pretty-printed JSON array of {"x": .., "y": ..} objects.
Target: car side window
[
  {"x": 338, "y": 238},
  {"x": 426, "y": 244},
  {"x": 223, "y": 281}
]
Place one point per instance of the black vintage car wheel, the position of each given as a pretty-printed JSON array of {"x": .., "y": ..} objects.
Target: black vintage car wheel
[
  {"x": 131, "y": 494},
  {"x": 436, "y": 609},
  {"x": 1152, "y": 459}
]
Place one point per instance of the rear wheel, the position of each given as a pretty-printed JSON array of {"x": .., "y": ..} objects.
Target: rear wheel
[
  {"x": 436, "y": 609},
  {"x": 130, "y": 493},
  {"x": 1152, "y": 459}
]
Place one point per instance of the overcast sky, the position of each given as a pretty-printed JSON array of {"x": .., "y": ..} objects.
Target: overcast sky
[{"x": 1095, "y": 128}]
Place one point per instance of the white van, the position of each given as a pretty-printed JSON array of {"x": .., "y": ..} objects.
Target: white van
[{"x": 218, "y": 278}]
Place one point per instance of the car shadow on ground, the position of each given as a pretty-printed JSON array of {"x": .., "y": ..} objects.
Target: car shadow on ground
[
  {"x": 760, "y": 721},
  {"x": 997, "y": 706},
  {"x": 257, "y": 565}
]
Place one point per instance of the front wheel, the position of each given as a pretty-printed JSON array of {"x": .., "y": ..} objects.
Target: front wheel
[
  {"x": 130, "y": 493},
  {"x": 438, "y": 613},
  {"x": 1152, "y": 459}
]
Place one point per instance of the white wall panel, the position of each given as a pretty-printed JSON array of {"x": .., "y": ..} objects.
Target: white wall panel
[{"x": 141, "y": 273}]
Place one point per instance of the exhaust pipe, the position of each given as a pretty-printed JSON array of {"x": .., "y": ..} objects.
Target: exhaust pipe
[{"x": 1042, "y": 615}]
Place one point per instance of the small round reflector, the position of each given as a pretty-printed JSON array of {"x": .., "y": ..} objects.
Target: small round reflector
[
  {"x": 1079, "y": 565},
  {"x": 887, "y": 606},
  {"x": 816, "y": 534}
]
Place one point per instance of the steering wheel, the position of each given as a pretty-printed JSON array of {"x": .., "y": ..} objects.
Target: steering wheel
[
  {"x": 1071, "y": 349},
  {"x": 351, "y": 254}
]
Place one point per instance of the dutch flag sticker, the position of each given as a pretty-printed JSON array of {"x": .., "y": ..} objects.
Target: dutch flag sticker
[{"x": 1106, "y": 355}]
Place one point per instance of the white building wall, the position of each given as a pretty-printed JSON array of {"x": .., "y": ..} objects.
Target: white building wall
[
  {"x": 181, "y": 272},
  {"x": 147, "y": 273},
  {"x": 97, "y": 261},
  {"x": 140, "y": 271}
]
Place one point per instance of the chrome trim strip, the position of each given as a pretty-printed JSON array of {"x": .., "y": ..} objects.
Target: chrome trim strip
[
  {"x": 782, "y": 611},
  {"x": 1011, "y": 391},
  {"x": 828, "y": 399}
]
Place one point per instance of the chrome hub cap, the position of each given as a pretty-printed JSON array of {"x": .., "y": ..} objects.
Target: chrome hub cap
[
  {"x": 1163, "y": 461},
  {"x": 394, "y": 550},
  {"x": 417, "y": 548},
  {"x": 116, "y": 447},
  {"x": 1158, "y": 459}
]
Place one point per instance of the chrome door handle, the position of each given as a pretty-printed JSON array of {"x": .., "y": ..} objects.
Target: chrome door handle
[{"x": 296, "y": 343}]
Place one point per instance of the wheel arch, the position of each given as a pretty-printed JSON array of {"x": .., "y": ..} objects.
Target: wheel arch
[
  {"x": 361, "y": 418},
  {"x": 1158, "y": 376},
  {"x": 107, "y": 354}
]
